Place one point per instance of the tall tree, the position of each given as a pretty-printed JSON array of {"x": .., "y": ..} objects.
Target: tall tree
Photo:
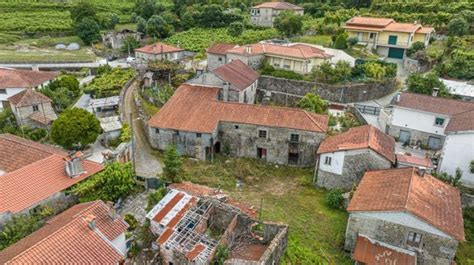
[
  {"x": 75, "y": 128},
  {"x": 158, "y": 27},
  {"x": 458, "y": 26},
  {"x": 289, "y": 23},
  {"x": 88, "y": 30},
  {"x": 173, "y": 164},
  {"x": 425, "y": 84},
  {"x": 314, "y": 103}
]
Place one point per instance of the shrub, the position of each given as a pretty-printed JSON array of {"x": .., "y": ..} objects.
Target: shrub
[
  {"x": 267, "y": 69},
  {"x": 415, "y": 47},
  {"x": 452, "y": 180},
  {"x": 458, "y": 26},
  {"x": 334, "y": 199},
  {"x": 88, "y": 30},
  {"x": 471, "y": 166},
  {"x": 424, "y": 84},
  {"x": 155, "y": 197},
  {"x": 131, "y": 221},
  {"x": 235, "y": 29},
  {"x": 173, "y": 165},
  {"x": 352, "y": 41},
  {"x": 222, "y": 254},
  {"x": 374, "y": 70},
  {"x": 341, "y": 41},
  {"x": 314, "y": 103}
]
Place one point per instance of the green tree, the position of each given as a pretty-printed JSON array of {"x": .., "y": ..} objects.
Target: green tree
[
  {"x": 75, "y": 128},
  {"x": 314, "y": 103},
  {"x": 83, "y": 9},
  {"x": 415, "y": 47},
  {"x": 424, "y": 84},
  {"x": 154, "y": 198},
  {"x": 374, "y": 70},
  {"x": 114, "y": 182},
  {"x": 125, "y": 133},
  {"x": 341, "y": 41},
  {"x": 130, "y": 44},
  {"x": 147, "y": 8},
  {"x": 88, "y": 30},
  {"x": 334, "y": 199},
  {"x": 141, "y": 25},
  {"x": 458, "y": 26},
  {"x": 157, "y": 27},
  {"x": 173, "y": 164},
  {"x": 235, "y": 28},
  {"x": 289, "y": 23}
]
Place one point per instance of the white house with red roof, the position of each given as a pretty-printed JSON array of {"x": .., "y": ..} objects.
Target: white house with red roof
[
  {"x": 237, "y": 80},
  {"x": 13, "y": 81},
  {"x": 413, "y": 215},
  {"x": 33, "y": 174},
  {"x": 158, "y": 51},
  {"x": 264, "y": 14},
  {"x": 87, "y": 233}
]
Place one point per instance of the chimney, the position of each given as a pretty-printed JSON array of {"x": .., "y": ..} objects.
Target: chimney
[
  {"x": 248, "y": 49},
  {"x": 74, "y": 164},
  {"x": 226, "y": 91},
  {"x": 397, "y": 97},
  {"x": 435, "y": 91},
  {"x": 112, "y": 212},
  {"x": 421, "y": 171},
  {"x": 91, "y": 221}
]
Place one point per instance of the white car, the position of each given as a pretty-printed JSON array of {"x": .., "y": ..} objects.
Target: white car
[{"x": 130, "y": 59}]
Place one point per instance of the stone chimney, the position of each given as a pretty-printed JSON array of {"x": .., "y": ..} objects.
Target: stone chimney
[
  {"x": 421, "y": 171},
  {"x": 225, "y": 91},
  {"x": 397, "y": 97},
  {"x": 435, "y": 91},
  {"x": 74, "y": 165},
  {"x": 248, "y": 49},
  {"x": 91, "y": 221}
]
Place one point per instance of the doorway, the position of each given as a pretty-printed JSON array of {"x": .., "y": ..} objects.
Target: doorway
[{"x": 261, "y": 153}]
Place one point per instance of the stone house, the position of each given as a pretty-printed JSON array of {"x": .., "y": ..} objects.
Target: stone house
[
  {"x": 407, "y": 211},
  {"x": 41, "y": 172},
  {"x": 32, "y": 108},
  {"x": 237, "y": 80},
  {"x": 115, "y": 39},
  {"x": 389, "y": 38},
  {"x": 86, "y": 233},
  {"x": 422, "y": 120},
  {"x": 344, "y": 158},
  {"x": 156, "y": 52},
  {"x": 183, "y": 218},
  {"x": 13, "y": 81},
  {"x": 200, "y": 125},
  {"x": 264, "y": 14},
  {"x": 297, "y": 57},
  {"x": 216, "y": 55}
]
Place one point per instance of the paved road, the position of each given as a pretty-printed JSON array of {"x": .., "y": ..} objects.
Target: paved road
[
  {"x": 117, "y": 63},
  {"x": 146, "y": 164}
]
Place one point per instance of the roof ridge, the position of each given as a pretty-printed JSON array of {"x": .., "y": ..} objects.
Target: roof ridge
[
  {"x": 409, "y": 187},
  {"x": 24, "y": 144},
  {"x": 311, "y": 118}
]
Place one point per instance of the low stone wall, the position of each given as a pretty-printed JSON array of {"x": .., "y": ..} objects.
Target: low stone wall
[{"x": 287, "y": 91}]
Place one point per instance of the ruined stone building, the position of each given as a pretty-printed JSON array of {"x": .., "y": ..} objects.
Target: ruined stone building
[
  {"x": 237, "y": 80},
  {"x": 406, "y": 213},
  {"x": 344, "y": 158},
  {"x": 200, "y": 125},
  {"x": 33, "y": 109},
  {"x": 195, "y": 223},
  {"x": 115, "y": 39}
]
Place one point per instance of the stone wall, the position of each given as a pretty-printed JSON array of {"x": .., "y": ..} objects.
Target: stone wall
[
  {"x": 277, "y": 246},
  {"x": 467, "y": 200},
  {"x": 415, "y": 135},
  {"x": 434, "y": 250},
  {"x": 214, "y": 61},
  {"x": 254, "y": 61},
  {"x": 22, "y": 114},
  {"x": 356, "y": 162},
  {"x": 287, "y": 91}
]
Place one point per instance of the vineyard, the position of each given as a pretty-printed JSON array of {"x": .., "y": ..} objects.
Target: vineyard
[
  {"x": 198, "y": 39},
  {"x": 109, "y": 83}
]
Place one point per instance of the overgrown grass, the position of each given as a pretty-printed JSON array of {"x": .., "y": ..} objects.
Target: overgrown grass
[
  {"x": 9, "y": 54},
  {"x": 316, "y": 232},
  {"x": 465, "y": 253},
  {"x": 131, "y": 26},
  {"x": 149, "y": 108},
  {"x": 51, "y": 41},
  {"x": 323, "y": 40}
]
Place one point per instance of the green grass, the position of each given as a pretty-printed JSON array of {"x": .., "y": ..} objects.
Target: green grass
[
  {"x": 50, "y": 41},
  {"x": 465, "y": 253},
  {"x": 149, "y": 108},
  {"x": 316, "y": 233},
  {"x": 10, "y": 54},
  {"x": 323, "y": 40}
]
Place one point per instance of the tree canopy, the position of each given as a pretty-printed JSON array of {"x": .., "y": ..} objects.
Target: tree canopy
[
  {"x": 424, "y": 84},
  {"x": 75, "y": 128},
  {"x": 173, "y": 164},
  {"x": 88, "y": 30},
  {"x": 314, "y": 103},
  {"x": 458, "y": 26},
  {"x": 289, "y": 23},
  {"x": 83, "y": 9}
]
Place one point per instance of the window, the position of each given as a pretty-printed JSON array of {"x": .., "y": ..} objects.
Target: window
[
  {"x": 198, "y": 135},
  {"x": 439, "y": 121},
  {"x": 414, "y": 239},
  {"x": 236, "y": 126},
  {"x": 220, "y": 59},
  {"x": 392, "y": 39},
  {"x": 328, "y": 160},
  {"x": 295, "y": 138},
  {"x": 3, "y": 91},
  {"x": 372, "y": 36},
  {"x": 262, "y": 134},
  {"x": 35, "y": 108},
  {"x": 177, "y": 133},
  {"x": 157, "y": 131}
]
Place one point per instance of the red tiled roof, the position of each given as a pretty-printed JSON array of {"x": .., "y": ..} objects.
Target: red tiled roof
[
  {"x": 196, "y": 109},
  {"x": 158, "y": 48},
  {"x": 461, "y": 112},
  {"x": 425, "y": 30},
  {"x": 165, "y": 235},
  {"x": 67, "y": 238},
  {"x": 361, "y": 137},
  {"x": 12, "y": 78},
  {"x": 402, "y": 27},
  {"x": 405, "y": 190},
  {"x": 369, "y": 251},
  {"x": 40, "y": 118},
  {"x": 170, "y": 205},
  {"x": 198, "y": 248},
  {"x": 383, "y": 24},
  {"x": 28, "y": 97},
  {"x": 238, "y": 74},
  {"x": 279, "y": 5},
  {"x": 414, "y": 160},
  {"x": 17, "y": 152},
  {"x": 220, "y": 48},
  {"x": 34, "y": 172},
  {"x": 369, "y": 21},
  {"x": 299, "y": 51}
]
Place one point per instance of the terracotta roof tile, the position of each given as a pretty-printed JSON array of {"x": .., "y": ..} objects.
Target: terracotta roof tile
[
  {"x": 370, "y": 21},
  {"x": 414, "y": 160},
  {"x": 158, "y": 48},
  {"x": 425, "y": 30},
  {"x": 28, "y": 97},
  {"x": 220, "y": 48},
  {"x": 463, "y": 121},
  {"x": 279, "y": 5},
  {"x": 361, "y": 137},
  {"x": 402, "y": 27},
  {"x": 196, "y": 109},
  {"x": 383, "y": 24},
  {"x": 168, "y": 207},
  {"x": 299, "y": 51},
  {"x": 405, "y": 190},
  {"x": 12, "y": 78},
  {"x": 198, "y": 248},
  {"x": 67, "y": 238},
  {"x": 369, "y": 251},
  {"x": 40, "y": 118},
  {"x": 238, "y": 74}
]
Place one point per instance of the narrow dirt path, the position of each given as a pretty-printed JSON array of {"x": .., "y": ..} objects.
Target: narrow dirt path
[{"x": 147, "y": 165}]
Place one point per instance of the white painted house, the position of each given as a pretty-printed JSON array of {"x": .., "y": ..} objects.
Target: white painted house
[
  {"x": 422, "y": 120},
  {"x": 458, "y": 149},
  {"x": 13, "y": 81}
]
